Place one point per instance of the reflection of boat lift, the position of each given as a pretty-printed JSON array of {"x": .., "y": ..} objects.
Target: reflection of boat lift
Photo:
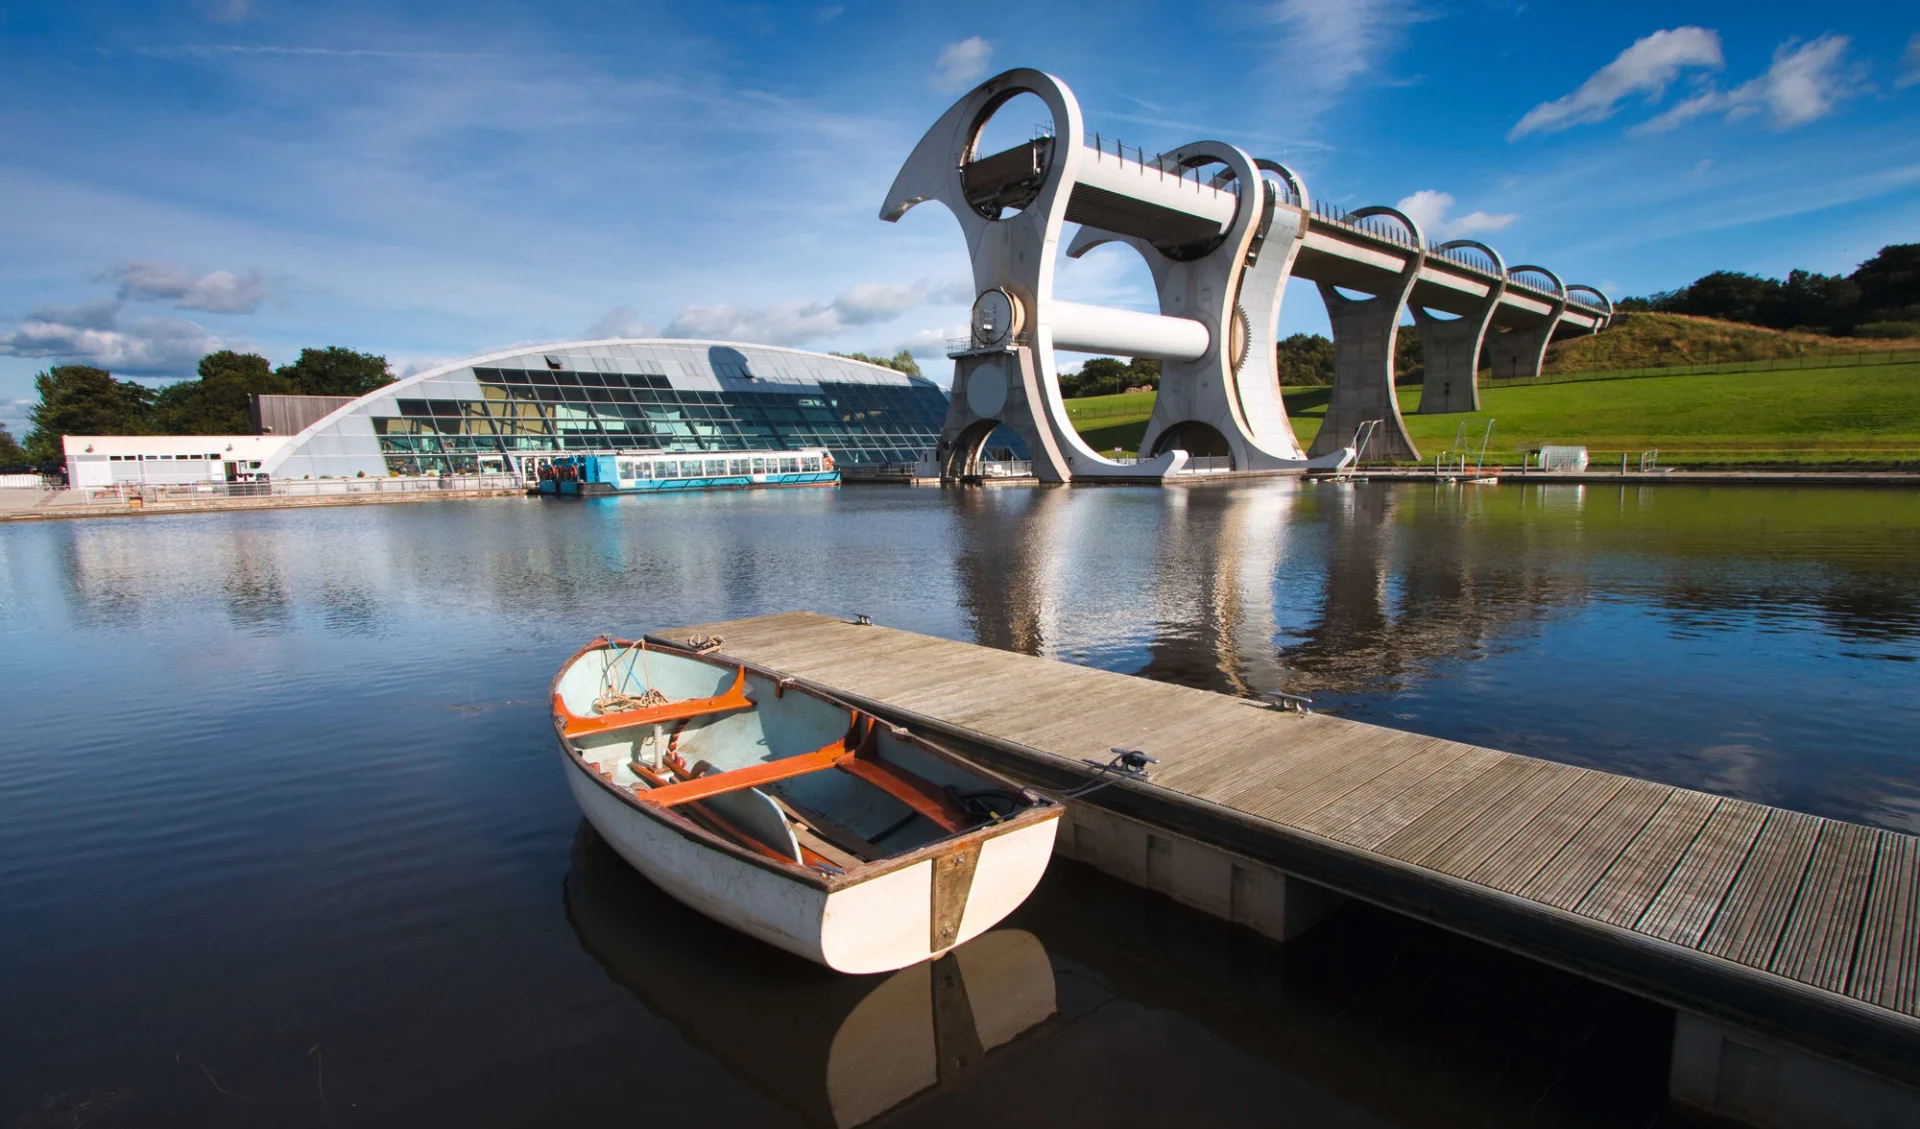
[{"x": 841, "y": 1050}]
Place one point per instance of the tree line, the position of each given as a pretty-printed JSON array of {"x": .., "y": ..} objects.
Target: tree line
[
  {"x": 84, "y": 400},
  {"x": 900, "y": 362},
  {"x": 1879, "y": 299},
  {"x": 1304, "y": 359}
]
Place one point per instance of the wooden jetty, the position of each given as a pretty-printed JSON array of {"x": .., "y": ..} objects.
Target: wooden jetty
[{"x": 1788, "y": 944}]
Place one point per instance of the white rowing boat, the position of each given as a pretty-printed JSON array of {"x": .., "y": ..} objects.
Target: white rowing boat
[{"x": 788, "y": 814}]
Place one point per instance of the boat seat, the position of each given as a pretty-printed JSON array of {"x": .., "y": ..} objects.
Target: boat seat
[{"x": 735, "y": 698}]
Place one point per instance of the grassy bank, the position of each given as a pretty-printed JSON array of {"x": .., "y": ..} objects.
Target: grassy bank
[
  {"x": 1814, "y": 417},
  {"x": 1644, "y": 340}
]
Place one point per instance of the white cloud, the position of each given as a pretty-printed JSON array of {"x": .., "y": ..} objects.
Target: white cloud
[
  {"x": 1325, "y": 46},
  {"x": 1430, "y": 209},
  {"x": 794, "y": 323},
  {"x": 620, "y": 321},
  {"x": 1805, "y": 83},
  {"x": 217, "y": 292},
  {"x": 1648, "y": 67},
  {"x": 962, "y": 63},
  {"x": 13, "y": 415},
  {"x": 95, "y": 334},
  {"x": 1910, "y": 63}
]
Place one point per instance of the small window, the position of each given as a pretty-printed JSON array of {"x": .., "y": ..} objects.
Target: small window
[
  {"x": 742, "y": 466},
  {"x": 716, "y": 466},
  {"x": 759, "y": 466}
]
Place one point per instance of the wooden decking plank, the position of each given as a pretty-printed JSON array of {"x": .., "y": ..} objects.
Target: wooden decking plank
[
  {"x": 1371, "y": 793},
  {"x": 1309, "y": 786},
  {"x": 1382, "y": 821},
  {"x": 1257, "y": 735},
  {"x": 1256, "y": 762},
  {"x": 1819, "y": 942},
  {"x": 1305, "y": 799},
  {"x": 1522, "y": 856},
  {"x": 1686, "y": 906},
  {"x": 1463, "y": 807},
  {"x": 1495, "y": 827},
  {"x": 1888, "y": 962},
  {"x": 1294, "y": 770},
  {"x": 1750, "y": 924},
  {"x": 1624, "y": 891},
  {"x": 1573, "y": 871}
]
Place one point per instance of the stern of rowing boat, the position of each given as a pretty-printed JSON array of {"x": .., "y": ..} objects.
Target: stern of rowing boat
[{"x": 921, "y": 910}]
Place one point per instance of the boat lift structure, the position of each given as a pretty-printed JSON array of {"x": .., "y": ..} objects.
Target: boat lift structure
[{"x": 1221, "y": 231}]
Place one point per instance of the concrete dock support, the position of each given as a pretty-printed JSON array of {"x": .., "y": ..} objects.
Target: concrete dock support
[
  {"x": 1214, "y": 881},
  {"x": 1746, "y": 1079}
]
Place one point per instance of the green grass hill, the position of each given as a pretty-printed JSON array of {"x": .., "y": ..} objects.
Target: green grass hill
[
  {"x": 1647, "y": 340},
  {"x": 1866, "y": 415}
]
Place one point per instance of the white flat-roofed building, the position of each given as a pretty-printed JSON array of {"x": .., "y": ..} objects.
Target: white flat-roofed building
[{"x": 117, "y": 460}]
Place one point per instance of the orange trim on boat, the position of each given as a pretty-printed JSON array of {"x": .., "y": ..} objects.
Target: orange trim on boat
[
  {"x": 912, "y": 790},
  {"x": 714, "y": 784},
  {"x": 734, "y": 699},
  {"x": 909, "y": 789}
]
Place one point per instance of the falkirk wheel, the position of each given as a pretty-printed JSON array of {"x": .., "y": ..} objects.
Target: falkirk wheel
[{"x": 1221, "y": 232}]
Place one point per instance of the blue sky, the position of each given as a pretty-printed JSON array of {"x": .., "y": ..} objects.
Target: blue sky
[{"x": 428, "y": 181}]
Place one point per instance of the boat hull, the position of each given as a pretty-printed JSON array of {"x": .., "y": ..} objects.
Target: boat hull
[{"x": 878, "y": 924}]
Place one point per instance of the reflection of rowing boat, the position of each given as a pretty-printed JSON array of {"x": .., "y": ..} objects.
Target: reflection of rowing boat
[
  {"x": 789, "y": 815},
  {"x": 839, "y": 1049}
]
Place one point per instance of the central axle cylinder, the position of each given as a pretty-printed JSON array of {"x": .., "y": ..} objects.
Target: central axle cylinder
[{"x": 1127, "y": 333}]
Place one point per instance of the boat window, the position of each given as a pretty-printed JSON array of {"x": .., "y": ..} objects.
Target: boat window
[
  {"x": 759, "y": 466},
  {"x": 813, "y": 462},
  {"x": 741, "y": 466},
  {"x": 790, "y": 466},
  {"x": 716, "y": 466}
]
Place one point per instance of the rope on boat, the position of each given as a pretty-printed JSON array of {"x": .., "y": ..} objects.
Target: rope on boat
[
  {"x": 701, "y": 644},
  {"x": 616, "y": 700}
]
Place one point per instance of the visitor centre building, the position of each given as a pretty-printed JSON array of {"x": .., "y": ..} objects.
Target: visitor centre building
[{"x": 513, "y": 410}]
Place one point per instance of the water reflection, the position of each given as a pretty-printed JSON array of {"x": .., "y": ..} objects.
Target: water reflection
[
  {"x": 1641, "y": 629},
  {"x": 838, "y": 1050}
]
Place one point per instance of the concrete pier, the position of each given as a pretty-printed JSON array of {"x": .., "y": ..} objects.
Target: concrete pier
[
  {"x": 1787, "y": 945},
  {"x": 1364, "y": 332}
]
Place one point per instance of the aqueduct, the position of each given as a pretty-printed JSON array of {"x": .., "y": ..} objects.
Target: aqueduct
[{"x": 1222, "y": 232}]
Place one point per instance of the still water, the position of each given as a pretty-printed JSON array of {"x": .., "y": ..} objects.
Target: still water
[{"x": 285, "y": 842}]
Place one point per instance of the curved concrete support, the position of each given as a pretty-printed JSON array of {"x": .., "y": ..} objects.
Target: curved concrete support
[
  {"x": 1364, "y": 333},
  {"x": 1232, "y": 390},
  {"x": 1519, "y": 353},
  {"x": 1450, "y": 348},
  {"x": 1606, "y": 304},
  {"x": 1017, "y": 382}
]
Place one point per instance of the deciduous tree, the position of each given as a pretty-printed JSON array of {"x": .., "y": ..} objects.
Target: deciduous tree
[
  {"x": 217, "y": 403},
  {"x": 83, "y": 400},
  {"x": 335, "y": 371},
  {"x": 11, "y": 453}
]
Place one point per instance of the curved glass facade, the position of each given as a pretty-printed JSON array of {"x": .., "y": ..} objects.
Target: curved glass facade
[{"x": 497, "y": 412}]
